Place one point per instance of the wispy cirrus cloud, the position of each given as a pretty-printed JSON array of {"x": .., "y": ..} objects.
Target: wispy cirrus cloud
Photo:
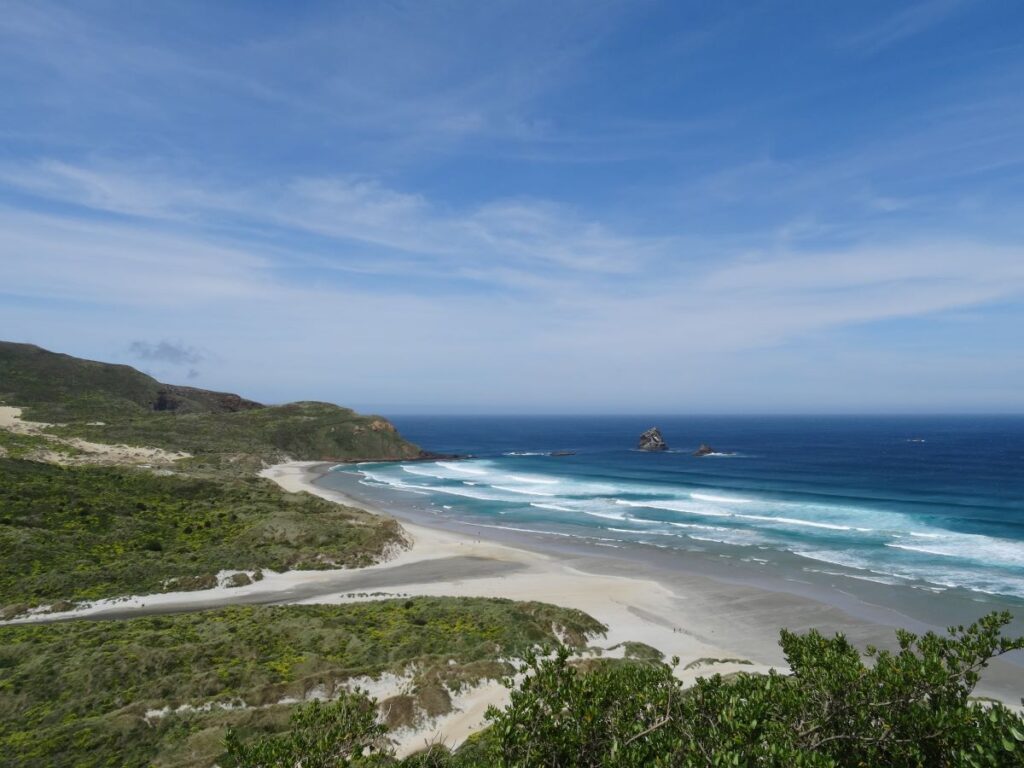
[
  {"x": 503, "y": 236},
  {"x": 904, "y": 23},
  {"x": 543, "y": 342}
]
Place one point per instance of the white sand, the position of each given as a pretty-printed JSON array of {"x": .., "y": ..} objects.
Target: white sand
[
  {"x": 87, "y": 452},
  {"x": 631, "y": 608}
]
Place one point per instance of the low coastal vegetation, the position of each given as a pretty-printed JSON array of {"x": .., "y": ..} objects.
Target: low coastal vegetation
[
  {"x": 82, "y": 533},
  {"x": 907, "y": 709},
  {"x": 163, "y": 690},
  {"x": 74, "y": 533}
]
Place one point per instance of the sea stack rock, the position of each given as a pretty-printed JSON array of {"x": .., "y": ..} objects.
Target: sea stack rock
[
  {"x": 704, "y": 450},
  {"x": 651, "y": 440}
]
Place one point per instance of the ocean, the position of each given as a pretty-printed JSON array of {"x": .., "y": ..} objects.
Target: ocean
[{"x": 923, "y": 515}]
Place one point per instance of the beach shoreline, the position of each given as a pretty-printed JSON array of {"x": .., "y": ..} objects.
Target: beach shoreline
[
  {"x": 739, "y": 619},
  {"x": 711, "y": 625}
]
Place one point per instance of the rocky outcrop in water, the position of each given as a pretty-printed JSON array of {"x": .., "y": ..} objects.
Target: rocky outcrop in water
[
  {"x": 704, "y": 450},
  {"x": 651, "y": 440}
]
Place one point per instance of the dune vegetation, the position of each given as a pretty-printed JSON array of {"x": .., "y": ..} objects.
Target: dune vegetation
[
  {"x": 837, "y": 709},
  {"x": 82, "y": 533},
  {"x": 77, "y": 693}
]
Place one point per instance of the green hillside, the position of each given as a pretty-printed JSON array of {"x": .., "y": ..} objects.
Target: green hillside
[
  {"x": 117, "y": 404},
  {"x": 77, "y": 533},
  {"x": 60, "y": 388}
]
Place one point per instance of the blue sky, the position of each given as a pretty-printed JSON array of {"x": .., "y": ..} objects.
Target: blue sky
[{"x": 524, "y": 207}]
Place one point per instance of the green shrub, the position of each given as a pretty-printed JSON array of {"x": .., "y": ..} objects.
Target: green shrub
[
  {"x": 909, "y": 708},
  {"x": 344, "y": 732}
]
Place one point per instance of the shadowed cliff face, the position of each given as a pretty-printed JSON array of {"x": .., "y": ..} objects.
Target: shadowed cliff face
[
  {"x": 174, "y": 398},
  {"x": 118, "y": 404}
]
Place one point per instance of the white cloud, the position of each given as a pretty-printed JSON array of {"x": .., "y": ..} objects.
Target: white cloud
[
  {"x": 564, "y": 311},
  {"x": 56, "y": 257},
  {"x": 904, "y": 23},
  {"x": 512, "y": 237}
]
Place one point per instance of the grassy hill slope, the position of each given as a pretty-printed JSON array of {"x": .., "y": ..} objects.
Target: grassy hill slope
[{"x": 117, "y": 404}]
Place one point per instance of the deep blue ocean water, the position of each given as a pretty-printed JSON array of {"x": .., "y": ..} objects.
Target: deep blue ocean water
[{"x": 927, "y": 503}]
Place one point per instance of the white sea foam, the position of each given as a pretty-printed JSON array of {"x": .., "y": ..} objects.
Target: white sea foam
[
  {"x": 923, "y": 550},
  {"x": 463, "y": 467},
  {"x": 933, "y": 557},
  {"x": 556, "y": 507},
  {"x": 970, "y": 547},
  {"x": 431, "y": 470},
  {"x": 643, "y": 533},
  {"x": 605, "y": 515},
  {"x": 698, "y": 526},
  {"x": 943, "y": 575},
  {"x": 456, "y": 491},
  {"x": 795, "y": 521},
  {"x": 543, "y": 480},
  {"x": 723, "y": 499},
  {"x": 522, "y": 530},
  {"x": 845, "y": 559},
  {"x": 523, "y": 490},
  {"x": 674, "y": 506},
  {"x": 701, "y": 511}
]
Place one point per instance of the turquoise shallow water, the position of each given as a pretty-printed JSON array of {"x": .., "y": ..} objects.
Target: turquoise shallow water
[{"x": 934, "y": 504}]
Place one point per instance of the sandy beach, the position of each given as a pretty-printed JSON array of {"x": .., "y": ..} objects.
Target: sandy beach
[{"x": 710, "y": 625}]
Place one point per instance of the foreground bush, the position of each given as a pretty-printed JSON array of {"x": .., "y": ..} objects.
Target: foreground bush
[
  {"x": 321, "y": 736},
  {"x": 908, "y": 708}
]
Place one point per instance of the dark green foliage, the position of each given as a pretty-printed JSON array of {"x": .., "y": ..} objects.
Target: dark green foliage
[
  {"x": 301, "y": 430},
  {"x": 75, "y": 533},
  {"x": 75, "y": 693},
  {"x": 909, "y": 708},
  {"x": 560, "y": 716},
  {"x": 342, "y": 733},
  {"x": 62, "y": 388}
]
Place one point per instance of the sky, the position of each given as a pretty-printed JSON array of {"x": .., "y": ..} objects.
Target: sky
[{"x": 524, "y": 207}]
